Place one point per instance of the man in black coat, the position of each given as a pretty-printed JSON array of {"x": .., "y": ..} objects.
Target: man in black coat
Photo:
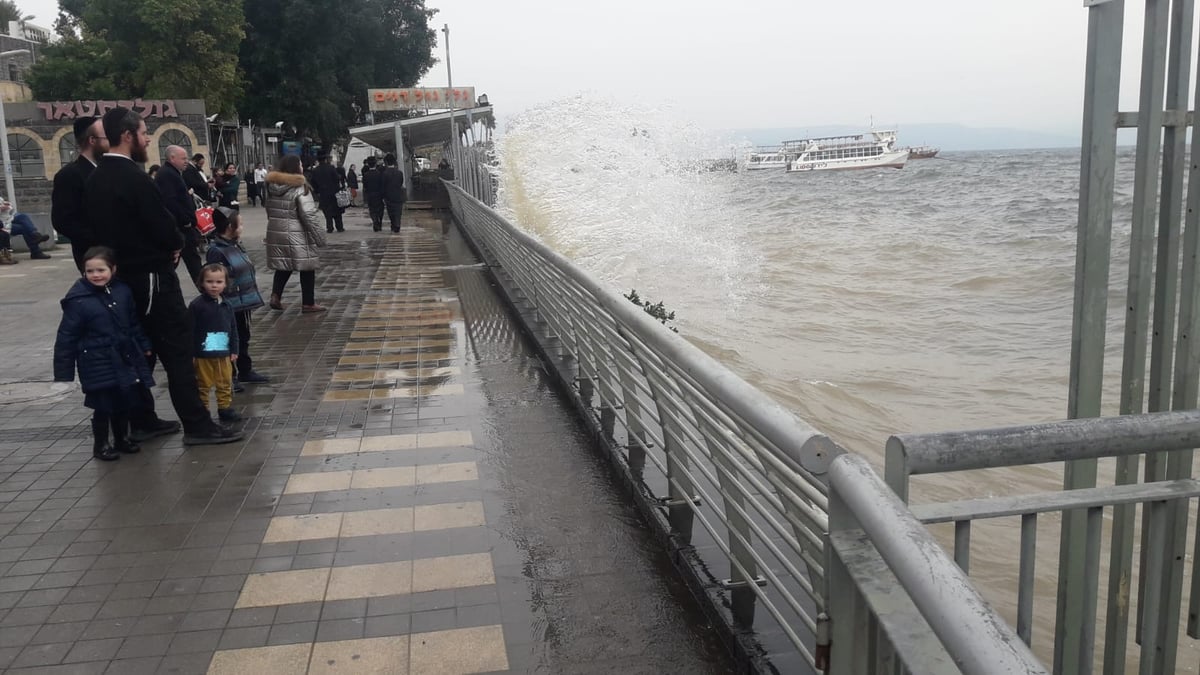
[
  {"x": 394, "y": 194},
  {"x": 194, "y": 178},
  {"x": 327, "y": 183},
  {"x": 128, "y": 215},
  {"x": 66, "y": 201},
  {"x": 372, "y": 182},
  {"x": 177, "y": 200}
]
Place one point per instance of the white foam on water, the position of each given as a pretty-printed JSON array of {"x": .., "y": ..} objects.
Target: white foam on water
[{"x": 620, "y": 189}]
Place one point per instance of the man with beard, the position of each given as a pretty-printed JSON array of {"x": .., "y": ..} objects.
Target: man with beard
[
  {"x": 128, "y": 215},
  {"x": 66, "y": 201}
]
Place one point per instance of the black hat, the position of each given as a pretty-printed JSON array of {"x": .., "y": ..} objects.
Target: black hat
[{"x": 81, "y": 125}]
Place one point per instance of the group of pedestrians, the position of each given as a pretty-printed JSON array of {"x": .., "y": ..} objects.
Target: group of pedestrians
[
  {"x": 384, "y": 187},
  {"x": 127, "y": 313}
]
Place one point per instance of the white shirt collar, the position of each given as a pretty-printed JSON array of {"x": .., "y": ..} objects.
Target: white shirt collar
[{"x": 117, "y": 154}]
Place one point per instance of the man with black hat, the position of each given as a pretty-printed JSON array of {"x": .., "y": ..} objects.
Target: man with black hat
[
  {"x": 66, "y": 201},
  {"x": 128, "y": 215}
]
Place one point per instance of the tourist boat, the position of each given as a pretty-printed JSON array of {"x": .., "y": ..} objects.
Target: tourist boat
[
  {"x": 875, "y": 149},
  {"x": 766, "y": 160},
  {"x": 922, "y": 152}
]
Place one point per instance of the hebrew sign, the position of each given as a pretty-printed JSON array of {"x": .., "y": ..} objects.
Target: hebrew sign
[
  {"x": 420, "y": 97},
  {"x": 69, "y": 110}
]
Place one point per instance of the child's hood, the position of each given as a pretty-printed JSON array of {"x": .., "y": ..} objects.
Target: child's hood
[{"x": 82, "y": 288}]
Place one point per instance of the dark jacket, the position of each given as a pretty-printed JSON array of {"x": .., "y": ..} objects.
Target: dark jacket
[
  {"x": 197, "y": 183},
  {"x": 175, "y": 196},
  {"x": 227, "y": 189},
  {"x": 214, "y": 328},
  {"x": 67, "y": 213},
  {"x": 327, "y": 182},
  {"x": 372, "y": 180},
  {"x": 101, "y": 337},
  {"x": 393, "y": 186},
  {"x": 242, "y": 290},
  {"x": 128, "y": 215},
  {"x": 352, "y": 179}
]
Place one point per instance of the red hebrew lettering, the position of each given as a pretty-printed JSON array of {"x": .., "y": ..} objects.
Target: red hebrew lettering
[
  {"x": 379, "y": 97},
  {"x": 64, "y": 110},
  {"x": 46, "y": 109},
  {"x": 168, "y": 108},
  {"x": 128, "y": 105},
  {"x": 142, "y": 108},
  {"x": 87, "y": 108},
  {"x": 104, "y": 106},
  {"x": 403, "y": 94}
]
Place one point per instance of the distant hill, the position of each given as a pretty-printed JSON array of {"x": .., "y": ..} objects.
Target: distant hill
[{"x": 945, "y": 136}]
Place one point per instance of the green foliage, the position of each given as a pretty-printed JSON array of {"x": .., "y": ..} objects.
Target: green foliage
[
  {"x": 144, "y": 48},
  {"x": 656, "y": 310},
  {"x": 10, "y": 12},
  {"x": 311, "y": 63}
]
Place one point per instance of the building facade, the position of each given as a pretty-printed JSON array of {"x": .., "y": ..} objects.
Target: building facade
[{"x": 40, "y": 139}]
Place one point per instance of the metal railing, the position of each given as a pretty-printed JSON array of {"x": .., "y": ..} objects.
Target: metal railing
[
  {"x": 708, "y": 448},
  {"x": 1165, "y": 510}
]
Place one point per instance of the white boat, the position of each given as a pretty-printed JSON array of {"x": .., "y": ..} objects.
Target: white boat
[
  {"x": 874, "y": 149},
  {"x": 766, "y": 160}
]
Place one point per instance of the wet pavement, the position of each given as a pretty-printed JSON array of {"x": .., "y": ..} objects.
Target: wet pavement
[{"x": 412, "y": 496}]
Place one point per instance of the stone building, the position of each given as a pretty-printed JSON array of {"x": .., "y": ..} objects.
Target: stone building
[{"x": 40, "y": 141}]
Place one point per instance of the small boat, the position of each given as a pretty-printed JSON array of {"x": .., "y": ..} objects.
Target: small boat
[
  {"x": 875, "y": 149},
  {"x": 922, "y": 152},
  {"x": 758, "y": 161}
]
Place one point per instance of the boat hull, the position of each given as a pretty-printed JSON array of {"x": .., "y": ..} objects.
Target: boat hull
[
  {"x": 888, "y": 160},
  {"x": 763, "y": 166}
]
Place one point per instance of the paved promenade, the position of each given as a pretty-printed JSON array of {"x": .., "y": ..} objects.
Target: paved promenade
[{"x": 411, "y": 497}]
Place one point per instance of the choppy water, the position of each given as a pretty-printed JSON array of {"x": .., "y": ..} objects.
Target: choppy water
[{"x": 870, "y": 302}]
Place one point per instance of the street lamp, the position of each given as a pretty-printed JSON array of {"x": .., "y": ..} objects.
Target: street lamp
[{"x": 8, "y": 177}]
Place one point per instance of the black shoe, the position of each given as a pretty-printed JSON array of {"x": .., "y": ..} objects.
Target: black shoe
[
  {"x": 39, "y": 256},
  {"x": 228, "y": 415},
  {"x": 237, "y": 386},
  {"x": 211, "y": 434},
  {"x": 127, "y": 447},
  {"x": 154, "y": 430},
  {"x": 329, "y": 230},
  {"x": 43, "y": 238},
  {"x": 105, "y": 454},
  {"x": 377, "y": 229},
  {"x": 395, "y": 230},
  {"x": 341, "y": 230},
  {"x": 254, "y": 377}
]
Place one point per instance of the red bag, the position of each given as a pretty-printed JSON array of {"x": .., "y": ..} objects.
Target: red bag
[{"x": 204, "y": 218}]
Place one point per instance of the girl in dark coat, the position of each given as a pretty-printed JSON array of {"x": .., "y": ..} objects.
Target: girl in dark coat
[{"x": 101, "y": 337}]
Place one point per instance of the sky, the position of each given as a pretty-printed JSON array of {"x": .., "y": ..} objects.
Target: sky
[{"x": 780, "y": 63}]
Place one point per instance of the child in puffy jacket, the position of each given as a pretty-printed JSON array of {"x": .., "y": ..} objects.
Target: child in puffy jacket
[
  {"x": 241, "y": 292},
  {"x": 216, "y": 338},
  {"x": 101, "y": 337}
]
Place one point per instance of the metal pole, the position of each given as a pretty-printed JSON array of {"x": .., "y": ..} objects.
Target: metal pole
[
  {"x": 8, "y": 177},
  {"x": 450, "y": 89}
]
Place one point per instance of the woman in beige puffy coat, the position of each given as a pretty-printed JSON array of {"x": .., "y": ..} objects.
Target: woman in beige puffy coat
[{"x": 293, "y": 233}]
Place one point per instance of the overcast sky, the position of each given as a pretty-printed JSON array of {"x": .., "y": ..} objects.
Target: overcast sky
[{"x": 780, "y": 63}]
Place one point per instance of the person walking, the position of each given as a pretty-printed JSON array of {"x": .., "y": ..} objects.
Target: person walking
[
  {"x": 100, "y": 337},
  {"x": 372, "y": 180},
  {"x": 260, "y": 180},
  {"x": 326, "y": 182},
  {"x": 251, "y": 186},
  {"x": 179, "y": 202},
  {"x": 352, "y": 183},
  {"x": 242, "y": 290},
  {"x": 293, "y": 233},
  {"x": 128, "y": 215},
  {"x": 66, "y": 199},
  {"x": 394, "y": 194},
  {"x": 197, "y": 182}
]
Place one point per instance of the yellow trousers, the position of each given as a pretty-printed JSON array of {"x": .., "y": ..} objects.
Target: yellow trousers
[{"x": 215, "y": 372}]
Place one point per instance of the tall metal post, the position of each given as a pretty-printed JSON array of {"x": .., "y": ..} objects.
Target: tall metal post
[
  {"x": 10, "y": 190},
  {"x": 450, "y": 90},
  {"x": 1092, "y": 254}
]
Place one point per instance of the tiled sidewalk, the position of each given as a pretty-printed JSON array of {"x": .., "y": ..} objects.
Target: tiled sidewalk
[{"x": 411, "y": 498}]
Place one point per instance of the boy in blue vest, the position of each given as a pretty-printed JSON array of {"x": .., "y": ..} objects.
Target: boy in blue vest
[
  {"x": 242, "y": 291},
  {"x": 215, "y": 338}
]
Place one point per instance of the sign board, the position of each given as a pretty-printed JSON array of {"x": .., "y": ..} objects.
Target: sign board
[
  {"x": 420, "y": 97},
  {"x": 69, "y": 110}
]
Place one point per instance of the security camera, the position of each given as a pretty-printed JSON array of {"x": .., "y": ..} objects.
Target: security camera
[
  {"x": 212, "y": 117},
  {"x": 279, "y": 124}
]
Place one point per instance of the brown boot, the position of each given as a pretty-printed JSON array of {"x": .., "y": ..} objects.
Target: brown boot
[
  {"x": 276, "y": 303},
  {"x": 6, "y": 257}
]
